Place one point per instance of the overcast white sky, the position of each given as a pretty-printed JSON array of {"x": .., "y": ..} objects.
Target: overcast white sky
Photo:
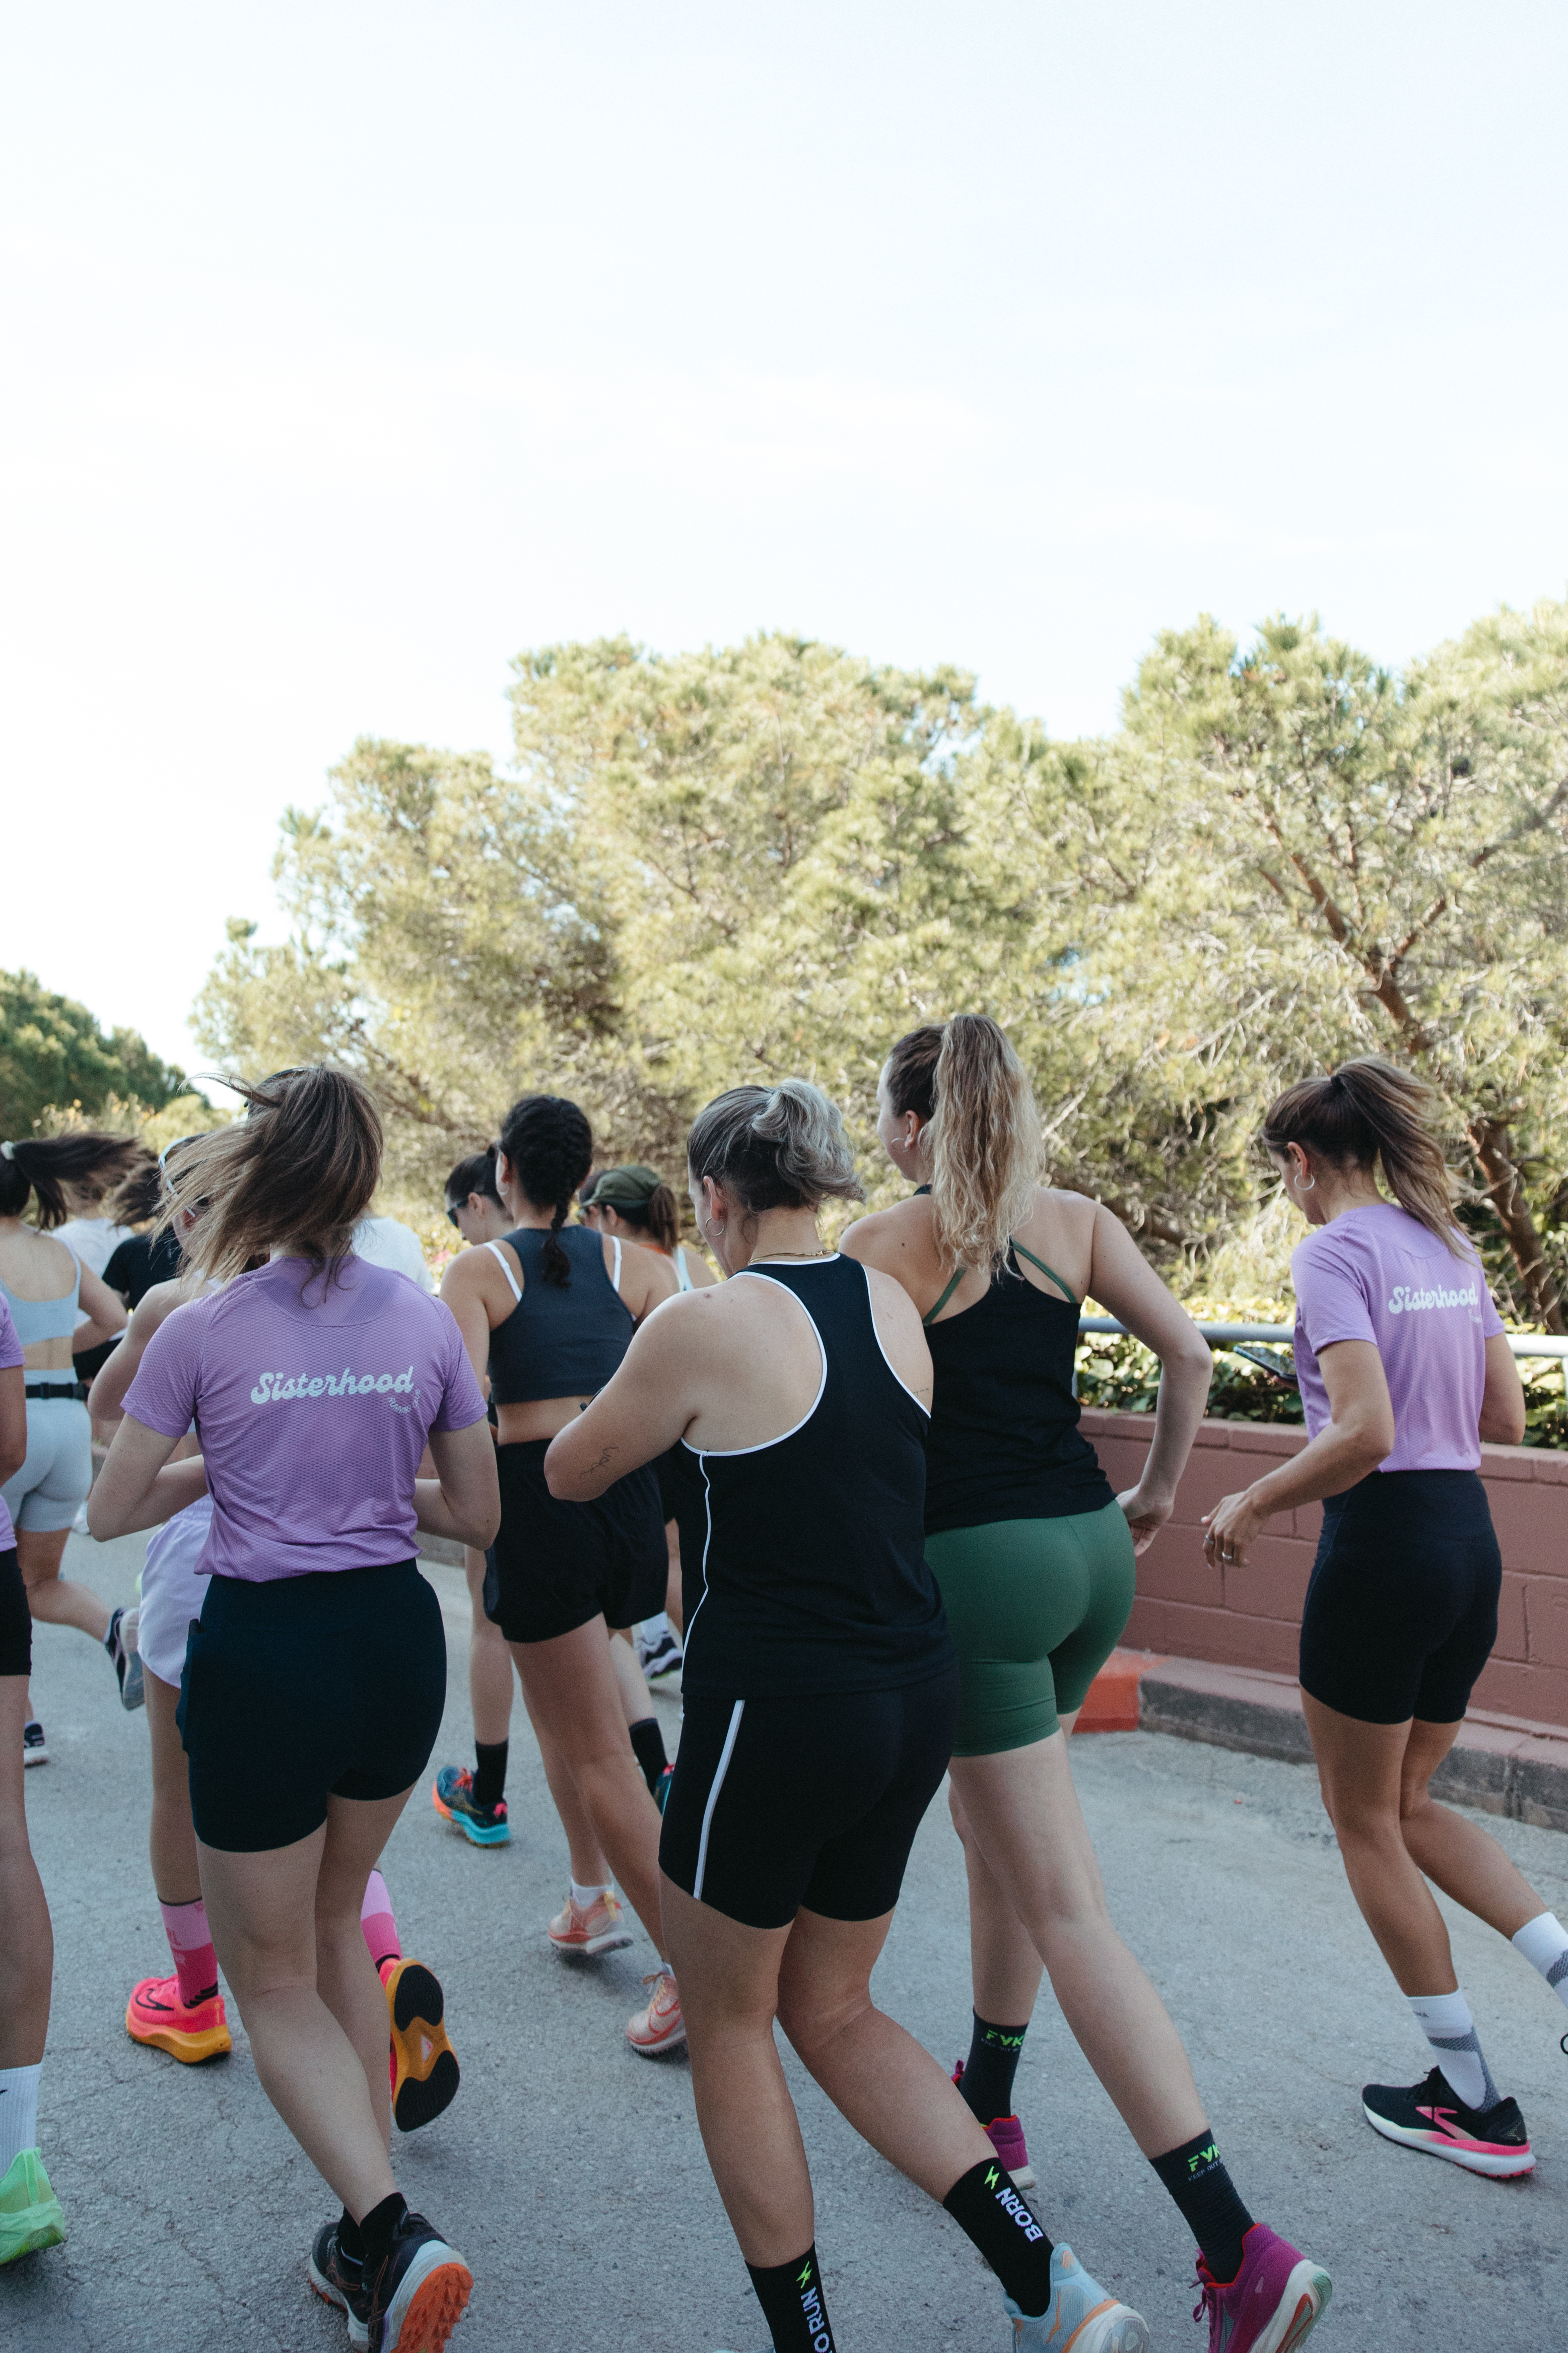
[{"x": 349, "y": 349}]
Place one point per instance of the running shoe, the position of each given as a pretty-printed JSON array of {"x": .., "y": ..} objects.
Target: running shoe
[
  {"x": 35, "y": 1747},
  {"x": 599, "y": 1929},
  {"x": 338, "y": 2280},
  {"x": 120, "y": 1644},
  {"x": 425, "y": 2074},
  {"x": 660, "y": 1657},
  {"x": 1273, "y": 2304},
  {"x": 453, "y": 1798},
  {"x": 1081, "y": 2314},
  {"x": 660, "y": 2026},
  {"x": 1432, "y": 2116},
  {"x": 417, "y": 2297},
  {"x": 1005, "y": 2134},
  {"x": 191, "y": 2031},
  {"x": 30, "y": 2217}
]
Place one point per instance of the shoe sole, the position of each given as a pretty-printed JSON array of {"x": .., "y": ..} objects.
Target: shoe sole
[
  {"x": 191, "y": 2049},
  {"x": 674, "y": 2041},
  {"x": 497, "y": 1837},
  {"x": 611, "y": 1941},
  {"x": 1306, "y": 2298},
  {"x": 1506, "y": 2166},
  {"x": 428, "y": 2304},
  {"x": 358, "y": 2330},
  {"x": 35, "y": 1756},
  {"x": 427, "y": 2069}
]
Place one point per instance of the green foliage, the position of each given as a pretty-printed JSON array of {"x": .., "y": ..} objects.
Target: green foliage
[{"x": 56, "y": 1064}]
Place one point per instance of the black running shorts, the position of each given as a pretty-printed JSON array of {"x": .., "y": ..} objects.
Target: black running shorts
[
  {"x": 557, "y": 1565},
  {"x": 305, "y": 1688},
  {"x": 16, "y": 1618},
  {"x": 812, "y": 1801},
  {"x": 1401, "y": 1613}
]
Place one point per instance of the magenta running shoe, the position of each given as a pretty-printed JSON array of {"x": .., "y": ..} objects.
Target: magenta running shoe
[
  {"x": 1272, "y": 2304},
  {"x": 1005, "y": 2134}
]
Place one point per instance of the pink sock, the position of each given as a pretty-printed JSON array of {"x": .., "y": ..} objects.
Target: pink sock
[
  {"x": 380, "y": 1927},
  {"x": 190, "y": 1941}
]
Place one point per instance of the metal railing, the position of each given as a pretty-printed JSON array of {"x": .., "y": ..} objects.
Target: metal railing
[{"x": 1221, "y": 1335}]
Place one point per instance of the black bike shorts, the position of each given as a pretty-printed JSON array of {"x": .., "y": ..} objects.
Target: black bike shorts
[
  {"x": 1401, "y": 1612},
  {"x": 305, "y": 1688},
  {"x": 556, "y": 1565},
  {"x": 16, "y": 1618},
  {"x": 776, "y": 1803}
]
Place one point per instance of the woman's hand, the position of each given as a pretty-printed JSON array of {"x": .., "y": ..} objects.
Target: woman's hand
[
  {"x": 1146, "y": 1514},
  {"x": 1233, "y": 1524}
]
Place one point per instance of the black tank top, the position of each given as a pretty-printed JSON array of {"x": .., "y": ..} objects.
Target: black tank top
[
  {"x": 1005, "y": 1437},
  {"x": 813, "y": 1576},
  {"x": 559, "y": 1343}
]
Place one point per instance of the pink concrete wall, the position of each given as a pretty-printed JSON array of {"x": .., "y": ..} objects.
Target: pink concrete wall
[{"x": 1249, "y": 1615}]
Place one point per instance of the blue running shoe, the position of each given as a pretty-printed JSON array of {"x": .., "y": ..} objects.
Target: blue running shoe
[
  {"x": 453, "y": 1796},
  {"x": 1079, "y": 2314}
]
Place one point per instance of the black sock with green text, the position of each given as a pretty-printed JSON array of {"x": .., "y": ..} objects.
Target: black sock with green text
[
  {"x": 1210, "y": 2207},
  {"x": 792, "y": 2301},
  {"x": 647, "y": 1746},
  {"x": 986, "y": 2083},
  {"x": 989, "y": 2208}
]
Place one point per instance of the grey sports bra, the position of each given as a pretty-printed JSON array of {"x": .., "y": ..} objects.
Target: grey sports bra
[{"x": 46, "y": 1319}]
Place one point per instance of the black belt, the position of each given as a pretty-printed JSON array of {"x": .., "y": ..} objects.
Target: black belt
[{"x": 73, "y": 1389}]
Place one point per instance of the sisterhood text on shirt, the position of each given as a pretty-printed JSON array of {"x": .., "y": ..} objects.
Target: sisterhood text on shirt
[
  {"x": 1403, "y": 1301},
  {"x": 275, "y": 1389}
]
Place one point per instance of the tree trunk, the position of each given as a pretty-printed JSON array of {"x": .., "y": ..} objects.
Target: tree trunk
[{"x": 1492, "y": 1146}]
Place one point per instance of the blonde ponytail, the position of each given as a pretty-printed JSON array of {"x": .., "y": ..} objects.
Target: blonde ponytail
[{"x": 964, "y": 1079}]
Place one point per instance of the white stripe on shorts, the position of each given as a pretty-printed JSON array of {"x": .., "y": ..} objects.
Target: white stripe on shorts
[{"x": 736, "y": 1712}]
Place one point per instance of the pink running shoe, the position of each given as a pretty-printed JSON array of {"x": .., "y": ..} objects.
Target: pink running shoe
[
  {"x": 599, "y": 1929},
  {"x": 1005, "y": 2134},
  {"x": 660, "y": 2026},
  {"x": 1431, "y": 2117},
  {"x": 1272, "y": 2304}
]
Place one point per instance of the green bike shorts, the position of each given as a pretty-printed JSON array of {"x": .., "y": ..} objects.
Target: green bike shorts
[{"x": 1035, "y": 1607}]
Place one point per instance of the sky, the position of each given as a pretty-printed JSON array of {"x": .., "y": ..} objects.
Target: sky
[{"x": 351, "y": 349}]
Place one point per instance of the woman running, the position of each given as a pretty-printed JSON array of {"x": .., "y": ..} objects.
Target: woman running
[
  {"x": 1033, "y": 1555},
  {"x": 30, "y": 2216},
  {"x": 820, "y": 1697},
  {"x": 1405, "y": 1369},
  {"x": 42, "y": 1284},
  {"x": 550, "y": 1311},
  {"x": 315, "y": 1678}
]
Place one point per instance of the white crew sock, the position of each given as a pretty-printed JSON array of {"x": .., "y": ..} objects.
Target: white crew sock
[
  {"x": 1543, "y": 1941},
  {"x": 18, "y": 2113},
  {"x": 585, "y": 1898},
  {"x": 1445, "y": 2019}
]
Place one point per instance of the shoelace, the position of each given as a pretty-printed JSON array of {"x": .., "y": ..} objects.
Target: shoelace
[{"x": 1208, "y": 2301}]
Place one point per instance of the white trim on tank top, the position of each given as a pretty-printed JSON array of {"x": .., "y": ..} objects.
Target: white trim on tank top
[
  {"x": 506, "y": 1269},
  {"x": 886, "y": 1358},
  {"x": 729, "y": 1453},
  {"x": 736, "y": 1712},
  {"x": 682, "y": 1271}
]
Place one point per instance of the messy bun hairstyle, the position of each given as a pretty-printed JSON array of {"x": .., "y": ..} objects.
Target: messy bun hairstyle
[
  {"x": 1367, "y": 1113},
  {"x": 47, "y": 1165},
  {"x": 301, "y": 1168},
  {"x": 963, "y": 1082},
  {"x": 783, "y": 1147},
  {"x": 550, "y": 1147}
]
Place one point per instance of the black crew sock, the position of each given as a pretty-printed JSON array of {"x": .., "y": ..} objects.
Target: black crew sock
[
  {"x": 648, "y": 1741},
  {"x": 986, "y": 2083},
  {"x": 792, "y": 2301},
  {"x": 990, "y": 2209},
  {"x": 351, "y": 2239},
  {"x": 489, "y": 1771},
  {"x": 1210, "y": 2208},
  {"x": 376, "y": 2230}
]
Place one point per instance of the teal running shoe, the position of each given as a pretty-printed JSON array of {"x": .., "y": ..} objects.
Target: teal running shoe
[
  {"x": 30, "y": 2217},
  {"x": 453, "y": 1796},
  {"x": 1081, "y": 2314}
]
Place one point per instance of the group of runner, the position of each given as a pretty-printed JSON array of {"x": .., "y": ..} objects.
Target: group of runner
[{"x": 857, "y": 1482}]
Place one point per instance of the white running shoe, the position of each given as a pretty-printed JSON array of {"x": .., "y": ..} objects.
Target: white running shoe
[
  {"x": 1081, "y": 2314},
  {"x": 660, "y": 2026},
  {"x": 599, "y": 1929},
  {"x": 659, "y": 1657}
]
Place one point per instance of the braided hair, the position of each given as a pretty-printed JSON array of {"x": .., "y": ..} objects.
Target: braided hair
[{"x": 549, "y": 1145}]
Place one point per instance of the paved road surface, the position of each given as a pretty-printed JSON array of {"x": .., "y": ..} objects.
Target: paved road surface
[{"x": 570, "y": 2171}]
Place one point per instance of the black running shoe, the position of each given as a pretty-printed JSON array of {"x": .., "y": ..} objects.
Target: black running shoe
[
  {"x": 418, "y": 2296},
  {"x": 127, "y": 1661},
  {"x": 35, "y": 1747},
  {"x": 337, "y": 2280},
  {"x": 1433, "y": 2117}
]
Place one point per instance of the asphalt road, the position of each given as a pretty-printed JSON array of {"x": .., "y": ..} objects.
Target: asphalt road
[{"x": 569, "y": 2171}]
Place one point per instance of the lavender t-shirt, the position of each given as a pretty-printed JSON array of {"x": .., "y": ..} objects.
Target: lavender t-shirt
[
  {"x": 10, "y": 1355},
  {"x": 311, "y": 1418},
  {"x": 1379, "y": 1274}
]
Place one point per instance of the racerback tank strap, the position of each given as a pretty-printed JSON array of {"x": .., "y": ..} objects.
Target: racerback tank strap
[
  {"x": 1019, "y": 1250},
  {"x": 505, "y": 1265}
]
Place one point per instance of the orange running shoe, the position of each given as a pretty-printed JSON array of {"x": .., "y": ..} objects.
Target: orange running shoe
[
  {"x": 424, "y": 2065},
  {"x": 189, "y": 2031},
  {"x": 599, "y": 1929},
  {"x": 660, "y": 2026}
]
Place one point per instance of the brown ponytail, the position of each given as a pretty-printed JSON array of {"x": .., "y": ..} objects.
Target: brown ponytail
[
  {"x": 301, "y": 1168},
  {"x": 45, "y": 1166},
  {"x": 964, "y": 1079},
  {"x": 1366, "y": 1112}
]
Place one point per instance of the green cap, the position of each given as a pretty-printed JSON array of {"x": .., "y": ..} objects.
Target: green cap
[{"x": 633, "y": 1181}]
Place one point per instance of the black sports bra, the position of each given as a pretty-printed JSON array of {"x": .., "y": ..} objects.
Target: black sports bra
[{"x": 559, "y": 1342}]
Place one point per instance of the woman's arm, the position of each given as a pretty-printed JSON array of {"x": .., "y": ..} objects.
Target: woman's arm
[
  {"x": 138, "y": 1486},
  {"x": 1502, "y": 1399},
  {"x": 638, "y": 1414},
  {"x": 463, "y": 1501},
  {"x": 1351, "y": 1445},
  {"x": 106, "y": 1309},
  {"x": 1122, "y": 1279},
  {"x": 647, "y": 1280},
  {"x": 13, "y": 1420},
  {"x": 108, "y": 1390},
  {"x": 462, "y": 1288}
]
